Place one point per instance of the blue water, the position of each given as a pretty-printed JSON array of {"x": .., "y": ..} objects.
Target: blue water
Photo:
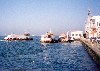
[{"x": 36, "y": 56}]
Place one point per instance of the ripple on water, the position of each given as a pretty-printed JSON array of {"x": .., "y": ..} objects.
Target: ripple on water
[{"x": 36, "y": 56}]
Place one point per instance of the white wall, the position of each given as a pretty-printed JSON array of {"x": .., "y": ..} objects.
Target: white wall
[
  {"x": 76, "y": 34},
  {"x": 90, "y": 24}
]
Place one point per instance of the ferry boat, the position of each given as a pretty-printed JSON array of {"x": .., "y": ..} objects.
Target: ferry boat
[
  {"x": 48, "y": 38},
  {"x": 63, "y": 37},
  {"x": 13, "y": 36}
]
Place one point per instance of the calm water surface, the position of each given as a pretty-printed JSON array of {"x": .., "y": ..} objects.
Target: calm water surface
[{"x": 36, "y": 56}]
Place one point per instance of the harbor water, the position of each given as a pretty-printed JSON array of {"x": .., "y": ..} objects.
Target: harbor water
[{"x": 36, "y": 56}]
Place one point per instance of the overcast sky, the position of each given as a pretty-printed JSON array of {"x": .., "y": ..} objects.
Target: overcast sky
[{"x": 38, "y": 16}]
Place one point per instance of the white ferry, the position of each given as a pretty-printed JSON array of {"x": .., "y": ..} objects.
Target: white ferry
[
  {"x": 48, "y": 38},
  {"x": 13, "y": 36}
]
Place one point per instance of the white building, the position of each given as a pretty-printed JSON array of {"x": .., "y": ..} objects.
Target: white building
[
  {"x": 76, "y": 34},
  {"x": 92, "y": 26}
]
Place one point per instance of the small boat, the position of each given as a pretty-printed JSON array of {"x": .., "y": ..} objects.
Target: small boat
[
  {"x": 63, "y": 37},
  {"x": 48, "y": 38},
  {"x": 13, "y": 36}
]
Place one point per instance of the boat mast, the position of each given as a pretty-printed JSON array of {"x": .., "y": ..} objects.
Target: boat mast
[{"x": 50, "y": 30}]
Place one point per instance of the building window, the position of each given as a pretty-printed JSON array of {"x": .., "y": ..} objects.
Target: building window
[
  {"x": 90, "y": 19},
  {"x": 93, "y": 20},
  {"x": 97, "y": 24},
  {"x": 79, "y": 34},
  {"x": 76, "y": 34},
  {"x": 72, "y": 34}
]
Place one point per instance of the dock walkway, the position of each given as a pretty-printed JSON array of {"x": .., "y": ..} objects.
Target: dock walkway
[{"x": 93, "y": 48}]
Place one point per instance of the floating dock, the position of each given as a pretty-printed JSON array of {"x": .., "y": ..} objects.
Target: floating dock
[{"x": 93, "y": 48}]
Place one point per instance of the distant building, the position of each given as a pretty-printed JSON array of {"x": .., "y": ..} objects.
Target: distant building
[
  {"x": 76, "y": 34},
  {"x": 92, "y": 26}
]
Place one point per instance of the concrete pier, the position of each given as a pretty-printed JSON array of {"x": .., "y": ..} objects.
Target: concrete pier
[{"x": 93, "y": 48}]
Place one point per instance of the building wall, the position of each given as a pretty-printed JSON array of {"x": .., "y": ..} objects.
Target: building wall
[
  {"x": 76, "y": 34},
  {"x": 92, "y": 26}
]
